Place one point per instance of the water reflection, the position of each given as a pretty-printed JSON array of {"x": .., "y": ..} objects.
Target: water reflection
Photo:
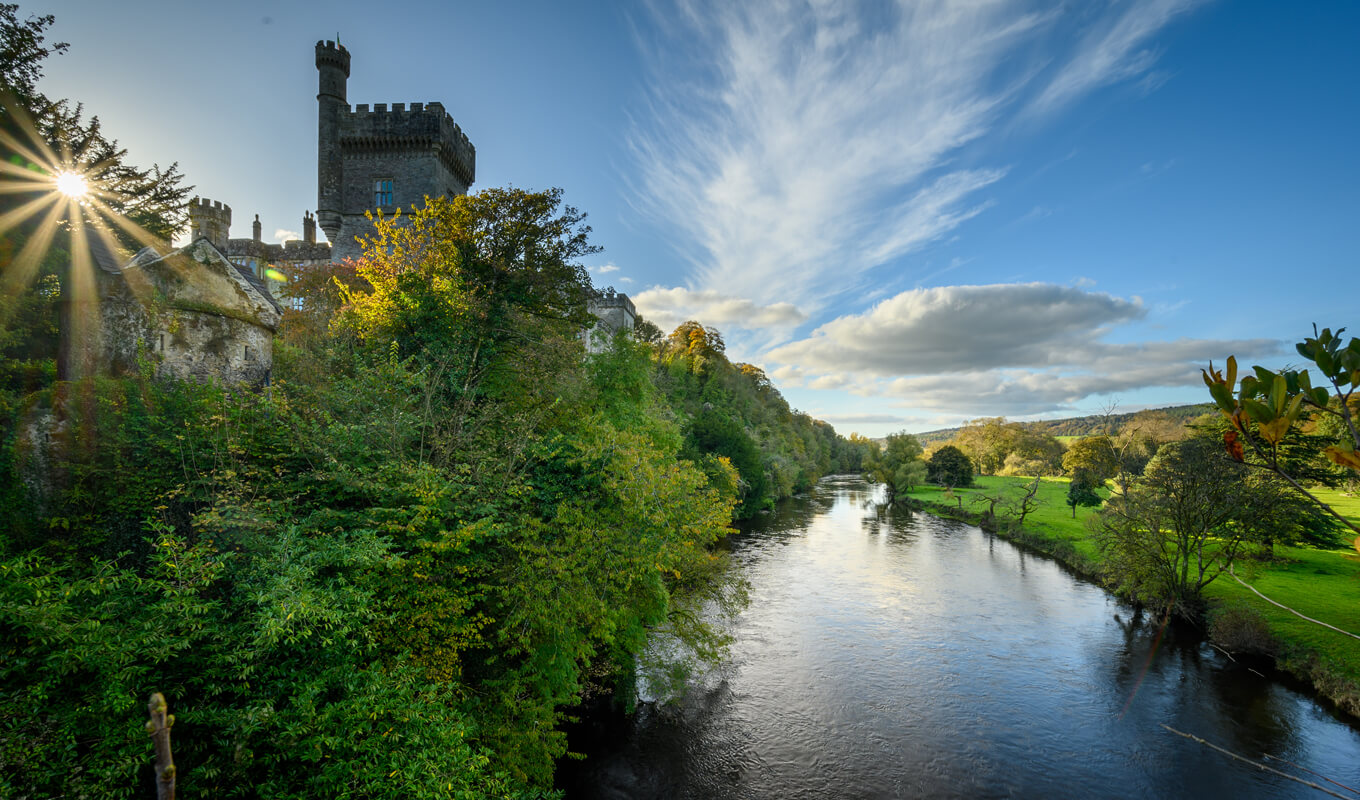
[{"x": 890, "y": 654}]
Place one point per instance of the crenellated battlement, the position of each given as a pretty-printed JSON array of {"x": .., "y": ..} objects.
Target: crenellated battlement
[
  {"x": 421, "y": 126},
  {"x": 209, "y": 219},
  {"x": 331, "y": 54}
]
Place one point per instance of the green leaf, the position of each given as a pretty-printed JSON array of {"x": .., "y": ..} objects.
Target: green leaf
[
  {"x": 1258, "y": 410},
  {"x": 1222, "y": 396}
]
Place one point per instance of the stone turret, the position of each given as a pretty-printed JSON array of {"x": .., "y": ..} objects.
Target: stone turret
[
  {"x": 380, "y": 157},
  {"x": 613, "y": 312},
  {"x": 332, "y": 64},
  {"x": 308, "y": 228},
  {"x": 211, "y": 220}
]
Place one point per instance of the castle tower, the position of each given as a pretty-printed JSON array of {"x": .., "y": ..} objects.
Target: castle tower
[
  {"x": 332, "y": 62},
  {"x": 379, "y": 158},
  {"x": 211, "y": 220},
  {"x": 308, "y": 228}
]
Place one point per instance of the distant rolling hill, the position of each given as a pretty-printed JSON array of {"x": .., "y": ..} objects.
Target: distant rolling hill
[{"x": 1083, "y": 426}]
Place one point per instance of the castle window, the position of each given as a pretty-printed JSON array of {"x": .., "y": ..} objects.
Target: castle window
[
  {"x": 382, "y": 193},
  {"x": 250, "y": 354}
]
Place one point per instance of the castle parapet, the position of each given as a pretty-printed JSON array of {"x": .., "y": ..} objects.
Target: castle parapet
[
  {"x": 421, "y": 125},
  {"x": 211, "y": 220}
]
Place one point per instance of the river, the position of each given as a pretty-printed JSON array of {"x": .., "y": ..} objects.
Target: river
[{"x": 901, "y": 655}]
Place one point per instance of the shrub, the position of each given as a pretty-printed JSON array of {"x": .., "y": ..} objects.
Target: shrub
[{"x": 1239, "y": 628}]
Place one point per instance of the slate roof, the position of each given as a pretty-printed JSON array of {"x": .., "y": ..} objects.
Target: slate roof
[{"x": 254, "y": 280}]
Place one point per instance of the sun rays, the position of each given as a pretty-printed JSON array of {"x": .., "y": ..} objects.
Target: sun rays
[{"x": 51, "y": 187}]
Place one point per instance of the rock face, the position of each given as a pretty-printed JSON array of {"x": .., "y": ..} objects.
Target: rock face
[{"x": 190, "y": 314}]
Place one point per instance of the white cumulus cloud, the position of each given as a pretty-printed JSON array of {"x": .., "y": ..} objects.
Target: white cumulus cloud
[{"x": 1012, "y": 349}]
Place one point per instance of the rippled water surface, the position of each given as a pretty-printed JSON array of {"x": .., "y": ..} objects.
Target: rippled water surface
[{"x": 907, "y": 656}]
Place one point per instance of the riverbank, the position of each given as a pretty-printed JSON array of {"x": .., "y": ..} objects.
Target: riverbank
[{"x": 1322, "y": 584}]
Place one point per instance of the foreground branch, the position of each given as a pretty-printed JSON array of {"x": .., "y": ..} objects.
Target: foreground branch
[
  {"x": 1256, "y": 764},
  {"x": 159, "y": 728}
]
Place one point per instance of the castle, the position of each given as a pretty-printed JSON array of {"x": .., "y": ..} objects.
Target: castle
[
  {"x": 367, "y": 160},
  {"x": 379, "y": 159},
  {"x": 376, "y": 159}
]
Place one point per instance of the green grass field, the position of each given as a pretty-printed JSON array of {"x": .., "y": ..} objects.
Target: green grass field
[{"x": 1322, "y": 584}]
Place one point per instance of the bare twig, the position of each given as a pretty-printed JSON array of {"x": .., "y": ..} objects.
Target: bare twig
[
  {"x": 1269, "y": 757},
  {"x": 1256, "y": 764}
]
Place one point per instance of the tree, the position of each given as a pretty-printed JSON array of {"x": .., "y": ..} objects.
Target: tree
[
  {"x": 22, "y": 51},
  {"x": 998, "y": 447},
  {"x": 1094, "y": 456},
  {"x": 1082, "y": 490},
  {"x": 898, "y": 465},
  {"x": 950, "y": 468},
  {"x": 1027, "y": 502},
  {"x": 644, "y": 330},
  {"x": 1182, "y": 524},
  {"x": 488, "y": 293}
]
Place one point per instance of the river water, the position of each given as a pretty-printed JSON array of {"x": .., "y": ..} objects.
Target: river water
[{"x": 899, "y": 655}]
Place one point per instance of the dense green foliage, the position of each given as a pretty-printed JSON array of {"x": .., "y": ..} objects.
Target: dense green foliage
[
  {"x": 897, "y": 465},
  {"x": 949, "y": 467},
  {"x": 997, "y": 447},
  {"x": 395, "y": 572},
  {"x": 733, "y": 411}
]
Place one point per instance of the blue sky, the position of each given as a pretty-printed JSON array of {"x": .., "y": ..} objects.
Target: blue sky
[{"x": 909, "y": 214}]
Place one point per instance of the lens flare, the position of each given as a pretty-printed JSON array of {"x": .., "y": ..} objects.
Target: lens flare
[{"x": 72, "y": 185}]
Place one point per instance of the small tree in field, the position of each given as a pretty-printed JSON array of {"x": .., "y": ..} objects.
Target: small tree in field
[{"x": 1082, "y": 491}]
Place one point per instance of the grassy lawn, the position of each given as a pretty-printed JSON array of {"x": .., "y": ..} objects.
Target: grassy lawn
[
  {"x": 1323, "y": 584},
  {"x": 1052, "y": 520}
]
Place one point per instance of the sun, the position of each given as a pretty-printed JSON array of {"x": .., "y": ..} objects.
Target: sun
[{"x": 72, "y": 185}]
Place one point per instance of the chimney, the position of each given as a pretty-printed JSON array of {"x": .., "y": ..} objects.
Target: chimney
[{"x": 255, "y": 227}]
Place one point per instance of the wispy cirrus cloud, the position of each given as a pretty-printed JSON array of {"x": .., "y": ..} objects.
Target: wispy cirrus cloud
[
  {"x": 818, "y": 145},
  {"x": 1115, "y": 49},
  {"x": 794, "y": 146}
]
